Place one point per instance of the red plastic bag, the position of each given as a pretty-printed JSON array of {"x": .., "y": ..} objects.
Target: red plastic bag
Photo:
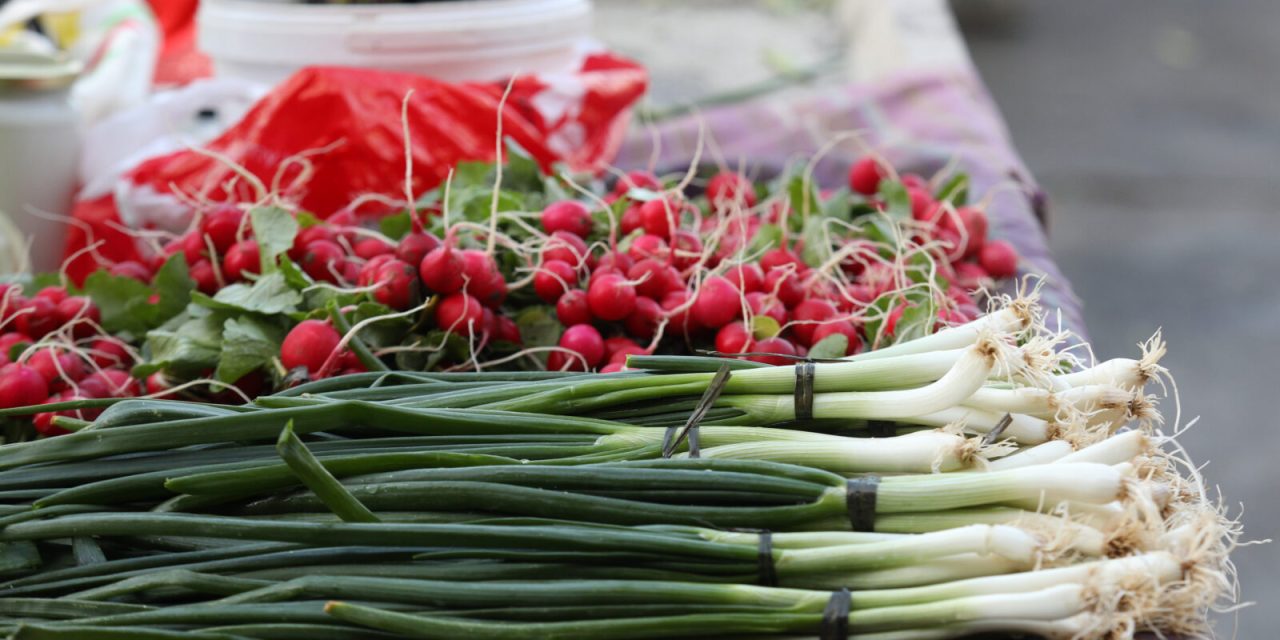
[{"x": 349, "y": 122}]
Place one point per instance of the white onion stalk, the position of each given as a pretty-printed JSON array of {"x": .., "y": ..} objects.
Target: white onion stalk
[
  {"x": 1045, "y": 404},
  {"x": 1014, "y": 318},
  {"x": 1048, "y": 484},
  {"x": 899, "y": 372},
  {"x": 1072, "y": 628},
  {"x": 1052, "y": 451},
  {"x": 1023, "y": 430},
  {"x": 1007, "y": 542},
  {"x": 1125, "y": 372},
  {"x": 924, "y": 572},
  {"x": 1117, "y": 449},
  {"x": 1053, "y": 603},
  {"x": 921, "y": 452}
]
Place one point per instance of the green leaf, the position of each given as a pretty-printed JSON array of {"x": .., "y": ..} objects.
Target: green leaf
[
  {"x": 292, "y": 274},
  {"x": 472, "y": 174},
  {"x": 306, "y": 219},
  {"x": 521, "y": 172},
  {"x": 817, "y": 246},
  {"x": 955, "y": 190},
  {"x": 269, "y": 295},
  {"x": 173, "y": 285},
  {"x": 396, "y": 226},
  {"x": 122, "y": 302},
  {"x": 839, "y": 205},
  {"x": 803, "y": 196},
  {"x": 763, "y": 326},
  {"x": 897, "y": 201},
  {"x": 274, "y": 229},
  {"x": 769, "y": 236},
  {"x": 247, "y": 344},
  {"x": 189, "y": 349},
  {"x": 539, "y": 328},
  {"x": 382, "y": 333},
  {"x": 832, "y": 346}
]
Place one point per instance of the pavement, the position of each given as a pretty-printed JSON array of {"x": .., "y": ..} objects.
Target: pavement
[{"x": 1155, "y": 130}]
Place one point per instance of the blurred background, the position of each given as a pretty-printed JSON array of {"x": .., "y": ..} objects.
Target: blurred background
[{"x": 1155, "y": 130}]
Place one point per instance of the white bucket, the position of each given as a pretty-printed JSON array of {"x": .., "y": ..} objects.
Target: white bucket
[{"x": 457, "y": 40}]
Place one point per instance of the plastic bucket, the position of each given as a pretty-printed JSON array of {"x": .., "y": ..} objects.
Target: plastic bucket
[{"x": 458, "y": 40}]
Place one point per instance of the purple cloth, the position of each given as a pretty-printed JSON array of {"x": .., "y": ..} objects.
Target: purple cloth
[{"x": 919, "y": 122}]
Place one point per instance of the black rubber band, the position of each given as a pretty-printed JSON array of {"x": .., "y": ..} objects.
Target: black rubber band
[
  {"x": 695, "y": 448},
  {"x": 666, "y": 439},
  {"x": 860, "y": 500},
  {"x": 882, "y": 428},
  {"x": 835, "y": 617},
  {"x": 764, "y": 560},
  {"x": 804, "y": 390},
  {"x": 690, "y": 429}
]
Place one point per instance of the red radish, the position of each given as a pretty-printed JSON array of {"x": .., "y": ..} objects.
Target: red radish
[
  {"x": 441, "y": 270},
  {"x": 631, "y": 219},
  {"x": 37, "y": 317},
  {"x": 369, "y": 248},
  {"x": 81, "y": 314},
  {"x": 611, "y": 297},
  {"x": 8, "y": 341},
  {"x": 808, "y": 316},
  {"x": 717, "y": 304},
  {"x": 686, "y": 249},
  {"x": 565, "y": 247},
  {"x": 779, "y": 346},
  {"x": 746, "y": 277},
  {"x": 483, "y": 281},
  {"x": 569, "y": 216},
  {"x": 915, "y": 181},
  {"x": 131, "y": 269},
  {"x": 644, "y": 319},
  {"x": 891, "y": 322},
  {"x": 194, "y": 247},
  {"x": 307, "y": 236},
  {"x": 615, "y": 261},
  {"x": 251, "y": 384},
  {"x": 762, "y": 304},
  {"x": 58, "y": 368},
  {"x": 786, "y": 285},
  {"x": 53, "y": 294},
  {"x": 733, "y": 338},
  {"x": 842, "y": 327},
  {"x": 572, "y": 308},
  {"x": 506, "y": 330},
  {"x": 600, "y": 273},
  {"x": 616, "y": 343},
  {"x": 660, "y": 216},
  {"x": 21, "y": 385},
  {"x": 969, "y": 275},
  {"x": 460, "y": 313},
  {"x": 109, "y": 383},
  {"x": 222, "y": 225},
  {"x": 649, "y": 246},
  {"x": 397, "y": 284},
  {"x": 778, "y": 258},
  {"x": 651, "y": 277},
  {"x": 561, "y": 361},
  {"x": 620, "y": 356},
  {"x": 681, "y": 320},
  {"x": 922, "y": 203},
  {"x": 308, "y": 345},
  {"x": 43, "y": 423},
  {"x": 727, "y": 188},
  {"x": 584, "y": 340},
  {"x": 369, "y": 272},
  {"x": 240, "y": 259},
  {"x": 415, "y": 246},
  {"x": 322, "y": 260},
  {"x": 156, "y": 384},
  {"x": 553, "y": 279},
  {"x": 999, "y": 259},
  {"x": 975, "y": 225},
  {"x": 613, "y": 367},
  {"x": 865, "y": 176},
  {"x": 203, "y": 276},
  {"x": 110, "y": 352},
  {"x": 636, "y": 180}
]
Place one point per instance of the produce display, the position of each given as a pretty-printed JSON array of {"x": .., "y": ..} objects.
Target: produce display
[
  {"x": 974, "y": 479},
  {"x": 503, "y": 268}
]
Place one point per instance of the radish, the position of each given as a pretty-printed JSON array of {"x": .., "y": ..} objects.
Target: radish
[
  {"x": 110, "y": 383},
  {"x": 561, "y": 361},
  {"x": 308, "y": 345},
  {"x": 842, "y": 327},
  {"x": 369, "y": 248},
  {"x": 914, "y": 181},
  {"x": 506, "y": 330},
  {"x": 441, "y": 270},
  {"x": 553, "y": 280},
  {"x": 975, "y": 225},
  {"x": 368, "y": 275},
  {"x": 21, "y": 385},
  {"x": 644, "y": 319},
  {"x": 683, "y": 321},
  {"x": 202, "y": 275},
  {"x": 970, "y": 275},
  {"x": 808, "y": 316},
  {"x": 746, "y": 277},
  {"x": 8, "y": 341},
  {"x": 156, "y": 384},
  {"x": 222, "y": 225},
  {"x": 779, "y": 346},
  {"x": 762, "y": 304},
  {"x": 778, "y": 258},
  {"x": 631, "y": 219},
  {"x": 649, "y": 246},
  {"x": 891, "y": 322},
  {"x": 306, "y": 237},
  {"x": 686, "y": 249},
  {"x": 397, "y": 284},
  {"x": 193, "y": 247},
  {"x": 53, "y": 294},
  {"x": 110, "y": 352},
  {"x": 569, "y": 216},
  {"x": 131, "y": 269},
  {"x": 415, "y": 246},
  {"x": 717, "y": 303},
  {"x": 652, "y": 278},
  {"x": 241, "y": 258},
  {"x": 566, "y": 247},
  {"x": 784, "y": 284},
  {"x": 727, "y": 188},
  {"x": 611, "y": 297},
  {"x": 483, "y": 281},
  {"x": 37, "y": 317},
  {"x": 618, "y": 343},
  {"x": 572, "y": 308},
  {"x": 80, "y": 314},
  {"x": 999, "y": 259},
  {"x": 613, "y": 367},
  {"x": 460, "y": 313},
  {"x": 636, "y": 180},
  {"x": 584, "y": 340},
  {"x": 865, "y": 176},
  {"x": 923, "y": 205},
  {"x": 620, "y": 356},
  {"x": 58, "y": 367},
  {"x": 323, "y": 260},
  {"x": 733, "y": 338},
  {"x": 616, "y": 261},
  {"x": 659, "y": 217}
]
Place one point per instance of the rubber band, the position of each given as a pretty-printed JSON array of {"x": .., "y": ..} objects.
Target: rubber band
[
  {"x": 860, "y": 501},
  {"x": 764, "y": 560},
  {"x": 835, "y": 616},
  {"x": 690, "y": 429},
  {"x": 804, "y": 390}
]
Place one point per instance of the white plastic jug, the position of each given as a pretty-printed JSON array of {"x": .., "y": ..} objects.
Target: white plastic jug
[{"x": 457, "y": 40}]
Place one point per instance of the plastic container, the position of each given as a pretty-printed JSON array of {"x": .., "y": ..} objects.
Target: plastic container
[{"x": 458, "y": 40}]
